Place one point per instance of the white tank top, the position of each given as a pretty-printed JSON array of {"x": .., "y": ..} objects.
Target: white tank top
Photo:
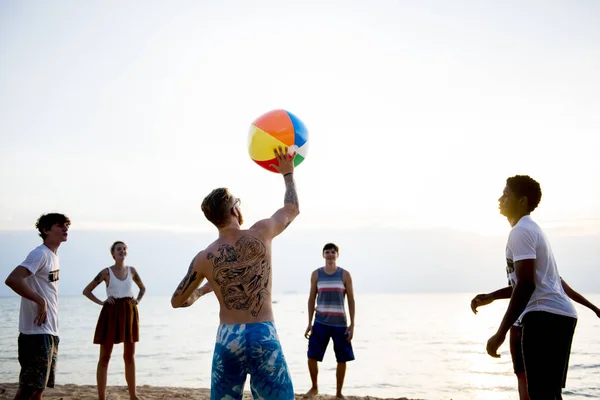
[{"x": 119, "y": 288}]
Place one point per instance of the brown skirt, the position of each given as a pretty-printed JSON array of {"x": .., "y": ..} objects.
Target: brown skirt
[{"x": 118, "y": 323}]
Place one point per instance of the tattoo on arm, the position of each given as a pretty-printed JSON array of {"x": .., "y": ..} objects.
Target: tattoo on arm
[
  {"x": 291, "y": 197},
  {"x": 192, "y": 279},
  {"x": 138, "y": 280},
  {"x": 187, "y": 280},
  {"x": 98, "y": 277},
  {"x": 193, "y": 297}
]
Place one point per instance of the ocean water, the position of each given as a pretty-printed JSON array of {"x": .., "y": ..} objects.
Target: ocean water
[{"x": 426, "y": 346}]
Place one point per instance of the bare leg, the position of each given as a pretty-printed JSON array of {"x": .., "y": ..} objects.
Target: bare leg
[
  {"x": 313, "y": 369},
  {"x": 522, "y": 379},
  {"x": 129, "y": 358},
  {"x": 102, "y": 370},
  {"x": 23, "y": 394},
  {"x": 27, "y": 394},
  {"x": 340, "y": 374}
]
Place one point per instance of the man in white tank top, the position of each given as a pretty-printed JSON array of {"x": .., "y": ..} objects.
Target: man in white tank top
[
  {"x": 538, "y": 300},
  {"x": 36, "y": 281}
]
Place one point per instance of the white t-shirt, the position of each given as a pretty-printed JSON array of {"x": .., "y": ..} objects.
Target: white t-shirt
[
  {"x": 527, "y": 241},
  {"x": 43, "y": 265}
]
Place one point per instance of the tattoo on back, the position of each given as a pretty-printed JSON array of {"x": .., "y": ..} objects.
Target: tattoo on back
[{"x": 242, "y": 272}]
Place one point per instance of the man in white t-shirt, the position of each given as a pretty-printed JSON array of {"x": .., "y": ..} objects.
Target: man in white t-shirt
[
  {"x": 538, "y": 301},
  {"x": 516, "y": 330},
  {"x": 36, "y": 281}
]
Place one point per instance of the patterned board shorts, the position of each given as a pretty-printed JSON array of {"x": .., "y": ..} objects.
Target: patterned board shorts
[
  {"x": 37, "y": 356},
  {"x": 250, "y": 349}
]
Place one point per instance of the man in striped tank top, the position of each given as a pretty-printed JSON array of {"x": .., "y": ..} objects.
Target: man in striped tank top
[{"x": 329, "y": 286}]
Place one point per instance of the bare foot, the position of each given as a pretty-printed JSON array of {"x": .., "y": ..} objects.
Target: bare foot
[
  {"x": 340, "y": 396},
  {"x": 311, "y": 393}
]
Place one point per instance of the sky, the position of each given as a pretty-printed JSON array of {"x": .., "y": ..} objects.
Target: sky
[{"x": 124, "y": 115}]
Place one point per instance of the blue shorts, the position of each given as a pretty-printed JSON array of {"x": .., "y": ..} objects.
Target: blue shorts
[
  {"x": 319, "y": 340},
  {"x": 250, "y": 349}
]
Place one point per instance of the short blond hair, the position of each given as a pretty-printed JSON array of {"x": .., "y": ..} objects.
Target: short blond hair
[
  {"x": 114, "y": 245},
  {"x": 216, "y": 206}
]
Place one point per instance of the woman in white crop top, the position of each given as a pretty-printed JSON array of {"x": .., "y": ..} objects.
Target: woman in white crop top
[{"x": 119, "y": 319}]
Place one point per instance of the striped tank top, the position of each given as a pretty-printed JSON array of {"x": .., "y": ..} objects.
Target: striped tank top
[{"x": 330, "y": 298}]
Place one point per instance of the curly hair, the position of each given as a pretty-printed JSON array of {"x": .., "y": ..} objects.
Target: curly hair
[
  {"x": 525, "y": 186},
  {"x": 46, "y": 221},
  {"x": 216, "y": 206}
]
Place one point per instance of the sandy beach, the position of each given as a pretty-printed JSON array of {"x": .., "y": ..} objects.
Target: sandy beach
[{"x": 88, "y": 392}]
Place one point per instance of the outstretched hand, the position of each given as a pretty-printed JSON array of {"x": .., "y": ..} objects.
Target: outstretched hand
[
  {"x": 285, "y": 161},
  {"x": 481, "y": 300}
]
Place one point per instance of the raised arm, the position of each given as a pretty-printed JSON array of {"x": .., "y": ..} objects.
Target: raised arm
[
  {"x": 138, "y": 281},
  {"x": 351, "y": 307},
  {"x": 283, "y": 217},
  {"x": 188, "y": 292},
  {"x": 88, "y": 291},
  {"x": 312, "y": 296},
  {"x": 579, "y": 298}
]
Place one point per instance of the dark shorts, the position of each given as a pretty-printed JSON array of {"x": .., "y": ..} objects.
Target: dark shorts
[
  {"x": 37, "y": 356},
  {"x": 516, "y": 351},
  {"x": 546, "y": 344},
  {"x": 319, "y": 340}
]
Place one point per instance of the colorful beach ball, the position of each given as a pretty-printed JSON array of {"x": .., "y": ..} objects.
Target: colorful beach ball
[{"x": 273, "y": 129}]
